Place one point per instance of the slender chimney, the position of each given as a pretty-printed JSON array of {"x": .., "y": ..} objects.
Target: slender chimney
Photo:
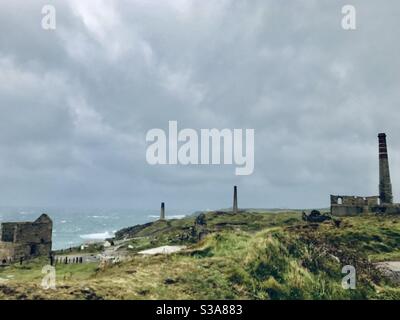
[
  {"x": 235, "y": 202},
  {"x": 385, "y": 186},
  {"x": 162, "y": 213}
]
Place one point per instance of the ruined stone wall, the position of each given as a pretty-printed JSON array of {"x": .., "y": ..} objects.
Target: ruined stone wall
[
  {"x": 25, "y": 239},
  {"x": 387, "y": 208},
  {"x": 10, "y": 252},
  {"x": 353, "y": 205},
  {"x": 372, "y": 201},
  {"x": 33, "y": 239},
  {"x": 354, "y": 200},
  {"x": 7, "y": 231},
  {"x": 33, "y": 233},
  {"x": 6, "y": 252},
  {"x": 347, "y": 210}
]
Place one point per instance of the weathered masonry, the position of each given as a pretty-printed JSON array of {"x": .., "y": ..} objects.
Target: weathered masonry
[
  {"x": 25, "y": 240},
  {"x": 162, "y": 211},
  {"x": 235, "y": 200},
  {"x": 385, "y": 185},
  {"x": 355, "y": 205},
  {"x": 351, "y": 205}
]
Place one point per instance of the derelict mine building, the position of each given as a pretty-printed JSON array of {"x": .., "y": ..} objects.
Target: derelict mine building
[
  {"x": 355, "y": 205},
  {"x": 25, "y": 240}
]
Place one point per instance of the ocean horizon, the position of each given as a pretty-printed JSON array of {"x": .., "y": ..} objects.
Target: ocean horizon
[{"x": 75, "y": 226}]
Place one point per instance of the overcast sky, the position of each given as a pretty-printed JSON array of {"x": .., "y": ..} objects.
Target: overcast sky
[{"x": 76, "y": 103}]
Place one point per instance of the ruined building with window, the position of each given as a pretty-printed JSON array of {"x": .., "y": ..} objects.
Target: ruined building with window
[
  {"x": 355, "y": 205},
  {"x": 25, "y": 240}
]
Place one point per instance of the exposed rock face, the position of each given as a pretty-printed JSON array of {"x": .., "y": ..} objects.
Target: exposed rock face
[
  {"x": 24, "y": 240},
  {"x": 201, "y": 227},
  {"x": 391, "y": 269},
  {"x": 315, "y": 216},
  {"x": 201, "y": 220},
  {"x": 131, "y": 232}
]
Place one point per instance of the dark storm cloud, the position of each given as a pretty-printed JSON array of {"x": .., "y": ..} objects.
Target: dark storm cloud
[{"x": 76, "y": 102}]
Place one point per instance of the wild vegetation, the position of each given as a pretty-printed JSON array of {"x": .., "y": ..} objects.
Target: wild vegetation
[{"x": 249, "y": 255}]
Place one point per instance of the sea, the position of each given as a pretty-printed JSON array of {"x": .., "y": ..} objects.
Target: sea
[{"x": 73, "y": 226}]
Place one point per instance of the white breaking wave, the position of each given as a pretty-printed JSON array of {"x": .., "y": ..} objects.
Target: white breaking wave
[
  {"x": 97, "y": 236},
  {"x": 178, "y": 216}
]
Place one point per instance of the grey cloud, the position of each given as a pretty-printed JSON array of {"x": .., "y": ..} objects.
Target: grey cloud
[{"x": 76, "y": 103}]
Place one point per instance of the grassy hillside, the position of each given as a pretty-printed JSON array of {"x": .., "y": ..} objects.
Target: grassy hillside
[{"x": 244, "y": 256}]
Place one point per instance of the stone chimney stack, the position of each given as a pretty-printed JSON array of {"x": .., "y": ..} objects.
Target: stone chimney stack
[
  {"x": 162, "y": 213},
  {"x": 235, "y": 201},
  {"x": 385, "y": 186}
]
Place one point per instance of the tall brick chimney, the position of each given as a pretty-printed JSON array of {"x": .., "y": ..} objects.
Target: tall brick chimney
[
  {"x": 235, "y": 201},
  {"x": 162, "y": 213},
  {"x": 385, "y": 186}
]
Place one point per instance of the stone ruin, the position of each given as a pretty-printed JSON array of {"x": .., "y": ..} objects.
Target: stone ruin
[
  {"x": 356, "y": 205},
  {"x": 352, "y": 205},
  {"x": 235, "y": 201},
  {"x": 162, "y": 211},
  {"x": 25, "y": 240}
]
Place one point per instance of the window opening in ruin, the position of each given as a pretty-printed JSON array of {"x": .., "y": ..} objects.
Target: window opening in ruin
[{"x": 33, "y": 249}]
